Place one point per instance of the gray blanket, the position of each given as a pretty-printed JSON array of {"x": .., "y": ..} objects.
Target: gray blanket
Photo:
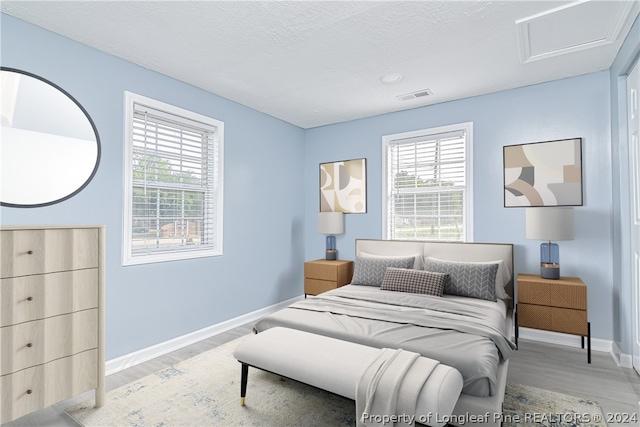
[{"x": 466, "y": 336}]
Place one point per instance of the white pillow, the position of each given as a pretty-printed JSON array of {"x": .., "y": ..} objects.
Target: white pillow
[
  {"x": 502, "y": 276},
  {"x": 416, "y": 265}
]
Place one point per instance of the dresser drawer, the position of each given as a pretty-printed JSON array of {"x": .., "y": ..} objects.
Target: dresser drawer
[
  {"x": 26, "y": 252},
  {"x": 39, "y": 296},
  {"x": 43, "y": 385},
  {"x": 33, "y": 343}
]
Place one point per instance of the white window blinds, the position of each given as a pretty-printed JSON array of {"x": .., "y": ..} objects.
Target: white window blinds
[
  {"x": 175, "y": 186},
  {"x": 426, "y": 180}
]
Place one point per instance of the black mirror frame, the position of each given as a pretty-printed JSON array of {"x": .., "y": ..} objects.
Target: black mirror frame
[{"x": 95, "y": 131}]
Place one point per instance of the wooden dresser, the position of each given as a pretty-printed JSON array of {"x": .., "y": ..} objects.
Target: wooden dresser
[
  {"x": 52, "y": 290},
  {"x": 323, "y": 275},
  {"x": 554, "y": 305}
]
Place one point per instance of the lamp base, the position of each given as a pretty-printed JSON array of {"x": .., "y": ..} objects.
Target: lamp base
[
  {"x": 331, "y": 254},
  {"x": 550, "y": 271}
]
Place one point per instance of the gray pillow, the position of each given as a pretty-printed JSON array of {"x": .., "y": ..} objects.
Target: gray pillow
[
  {"x": 467, "y": 279},
  {"x": 370, "y": 271},
  {"x": 414, "y": 281}
]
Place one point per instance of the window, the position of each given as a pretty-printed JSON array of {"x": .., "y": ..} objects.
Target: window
[
  {"x": 427, "y": 184},
  {"x": 173, "y": 183}
]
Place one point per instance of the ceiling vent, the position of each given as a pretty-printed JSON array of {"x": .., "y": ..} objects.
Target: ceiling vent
[{"x": 414, "y": 95}]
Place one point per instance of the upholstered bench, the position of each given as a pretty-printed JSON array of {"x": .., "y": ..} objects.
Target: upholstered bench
[{"x": 336, "y": 366}]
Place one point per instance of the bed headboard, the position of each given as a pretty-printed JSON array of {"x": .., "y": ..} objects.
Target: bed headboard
[{"x": 452, "y": 251}]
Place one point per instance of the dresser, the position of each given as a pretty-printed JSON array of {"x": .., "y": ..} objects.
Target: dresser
[
  {"x": 52, "y": 291},
  {"x": 323, "y": 275},
  {"x": 554, "y": 305}
]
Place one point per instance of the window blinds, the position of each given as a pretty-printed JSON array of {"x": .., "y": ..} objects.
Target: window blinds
[
  {"x": 426, "y": 182},
  {"x": 174, "y": 183}
]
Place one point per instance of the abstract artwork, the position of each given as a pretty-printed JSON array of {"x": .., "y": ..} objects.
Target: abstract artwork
[
  {"x": 343, "y": 186},
  {"x": 543, "y": 173}
]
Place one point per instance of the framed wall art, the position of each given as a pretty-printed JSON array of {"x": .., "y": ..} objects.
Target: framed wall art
[
  {"x": 543, "y": 173},
  {"x": 343, "y": 186}
]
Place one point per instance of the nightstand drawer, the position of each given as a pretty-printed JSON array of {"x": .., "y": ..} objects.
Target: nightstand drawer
[
  {"x": 315, "y": 286},
  {"x": 553, "y": 319},
  {"x": 569, "y": 321},
  {"x": 321, "y": 271},
  {"x": 334, "y": 271},
  {"x": 564, "y": 293},
  {"x": 534, "y": 316}
]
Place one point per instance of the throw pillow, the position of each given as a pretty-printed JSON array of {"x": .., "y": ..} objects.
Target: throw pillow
[
  {"x": 369, "y": 271},
  {"x": 467, "y": 279},
  {"x": 413, "y": 281}
]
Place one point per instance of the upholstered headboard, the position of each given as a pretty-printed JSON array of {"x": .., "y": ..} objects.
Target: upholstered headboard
[{"x": 452, "y": 251}]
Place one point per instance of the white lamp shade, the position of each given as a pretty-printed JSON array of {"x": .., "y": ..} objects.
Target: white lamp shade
[
  {"x": 330, "y": 223},
  {"x": 555, "y": 223}
]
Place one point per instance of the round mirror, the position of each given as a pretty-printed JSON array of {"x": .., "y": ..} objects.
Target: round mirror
[{"x": 49, "y": 147}]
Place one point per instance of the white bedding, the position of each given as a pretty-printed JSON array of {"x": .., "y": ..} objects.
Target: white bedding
[
  {"x": 502, "y": 305},
  {"x": 375, "y": 324}
]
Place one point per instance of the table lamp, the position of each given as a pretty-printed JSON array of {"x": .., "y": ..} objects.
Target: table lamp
[
  {"x": 331, "y": 223},
  {"x": 550, "y": 223}
]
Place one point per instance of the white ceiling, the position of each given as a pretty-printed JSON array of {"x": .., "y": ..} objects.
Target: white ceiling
[{"x": 313, "y": 63}]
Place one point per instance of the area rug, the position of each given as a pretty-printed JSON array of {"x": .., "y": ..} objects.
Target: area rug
[
  {"x": 530, "y": 406},
  {"x": 205, "y": 391}
]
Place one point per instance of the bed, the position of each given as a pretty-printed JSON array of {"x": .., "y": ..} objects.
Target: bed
[{"x": 470, "y": 331}]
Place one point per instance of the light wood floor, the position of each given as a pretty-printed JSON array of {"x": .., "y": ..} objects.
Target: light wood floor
[{"x": 542, "y": 365}]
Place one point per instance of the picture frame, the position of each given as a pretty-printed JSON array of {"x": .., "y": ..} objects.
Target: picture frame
[
  {"x": 343, "y": 186},
  {"x": 547, "y": 173}
]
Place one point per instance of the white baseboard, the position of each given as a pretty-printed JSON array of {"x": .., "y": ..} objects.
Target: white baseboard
[
  {"x": 128, "y": 360},
  {"x": 564, "y": 339},
  {"x": 621, "y": 359}
]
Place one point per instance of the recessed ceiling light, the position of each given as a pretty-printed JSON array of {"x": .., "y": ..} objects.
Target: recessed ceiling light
[{"x": 391, "y": 78}]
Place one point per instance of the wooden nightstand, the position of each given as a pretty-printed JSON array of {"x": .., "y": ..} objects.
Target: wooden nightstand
[
  {"x": 322, "y": 275},
  {"x": 553, "y": 305}
]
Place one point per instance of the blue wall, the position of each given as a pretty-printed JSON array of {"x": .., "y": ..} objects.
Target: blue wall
[
  {"x": 622, "y": 292},
  {"x": 575, "y": 107},
  {"x": 270, "y": 213},
  {"x": 263, "y": 213}
]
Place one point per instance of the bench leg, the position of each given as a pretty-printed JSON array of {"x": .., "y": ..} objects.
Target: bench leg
[{"x": 243, "y": 383}]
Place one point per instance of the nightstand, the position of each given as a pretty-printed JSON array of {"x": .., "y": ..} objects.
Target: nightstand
[
  {"x": 553, "y": 305},
  {"x": 322, "y": 275}
]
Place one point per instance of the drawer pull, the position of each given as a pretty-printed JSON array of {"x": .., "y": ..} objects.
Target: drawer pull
[
  {"x": 29, "y": 391},
  {"x": 29, "y": 298},
  {"x": 30, "y": 252},
  {"x": 29, "y": 345}
]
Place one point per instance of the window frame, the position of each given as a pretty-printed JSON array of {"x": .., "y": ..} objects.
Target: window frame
[
  {"x": 128, "y": 258},
  {"x": 467, "y": 128}
]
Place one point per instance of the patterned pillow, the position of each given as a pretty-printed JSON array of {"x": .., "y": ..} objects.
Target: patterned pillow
[
  {"x": 417, "y": 257},
  {"x": 370, "y": 271},
  {"x": 502, "y": 276},
  {"x": 467, "y": 279},
  {"x": 414, "y": 281}
]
